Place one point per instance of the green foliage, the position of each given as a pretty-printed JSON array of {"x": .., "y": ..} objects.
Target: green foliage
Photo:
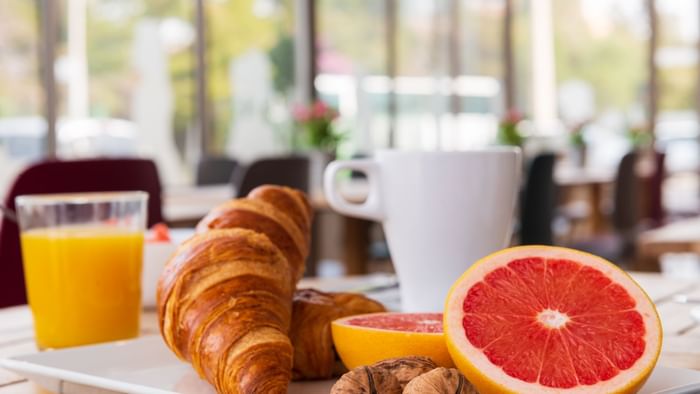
[
  {"x": 20, "y": 93},
  {"x": 282, "y": 59},
  {"x": 356, "y": 31},
  {"x": 234, "y": 30},
  {"x": 613, "y": 63},
  {"x": 508, "y": 134},
  {"x": 318, "y": 134},
  {"x": 639, "y": 137},
  {"x": 576, "y": 139}
]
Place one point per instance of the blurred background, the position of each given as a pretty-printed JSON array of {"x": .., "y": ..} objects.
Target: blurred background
[{"x": 586, "y": 83}]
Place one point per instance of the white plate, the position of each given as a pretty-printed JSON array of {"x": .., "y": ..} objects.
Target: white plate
[{"x": 145, "y": 365}]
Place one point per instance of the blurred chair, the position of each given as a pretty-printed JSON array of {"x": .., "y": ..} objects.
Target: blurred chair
[
  {"x": 619, "y": 245},
  {"x": 94, "y": 175},
  {"x": 656, "y": 212},
  {"x": 292, "y": 171},
  {"x": 215, "y": 170},
  {"x": 537, "y": 203}
]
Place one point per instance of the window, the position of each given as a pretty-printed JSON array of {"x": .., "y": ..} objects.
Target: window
[
  {"x": 677, "y": 62},
  {"x": 447, "y": 83},
  {"x": 124, "y": 75},
  {"x": 22, "y": 127},
  {"x": 351, "y": 65},
  {"x": 449, "y": 87},
  {"x": 602, "y": 74},
  {"x": 250, "y": 57}
]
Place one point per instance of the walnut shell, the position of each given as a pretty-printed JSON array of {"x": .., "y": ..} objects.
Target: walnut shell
[
  {"x": 385, "y": 377},
  {"x": 440, "y": 381},
  {"x": 406, "y": 369},
  {"x": 367, "y": 380}
]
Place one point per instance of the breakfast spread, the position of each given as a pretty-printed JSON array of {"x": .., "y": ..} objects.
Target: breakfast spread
[
  {"x": 523, "y": 320},
  {"x": 227, "y": 301}
]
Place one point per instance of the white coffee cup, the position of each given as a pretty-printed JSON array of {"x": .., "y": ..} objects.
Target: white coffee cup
[{"x": 441, "y": 212}]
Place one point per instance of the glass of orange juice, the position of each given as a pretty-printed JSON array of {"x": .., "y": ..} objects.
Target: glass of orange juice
[{"x": 82, "y": 256}]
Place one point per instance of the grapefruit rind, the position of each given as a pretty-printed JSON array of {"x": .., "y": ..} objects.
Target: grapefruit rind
[
  {"x": 359, "y": 346},
  {"x": 489, "y": 378}
]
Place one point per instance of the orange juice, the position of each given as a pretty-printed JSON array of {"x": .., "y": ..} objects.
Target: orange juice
[{"x": 83, "y": 284}]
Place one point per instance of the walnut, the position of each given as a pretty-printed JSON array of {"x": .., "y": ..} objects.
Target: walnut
[
  {"x": 406, "y": 368},
  {"x": 367, "y": 380},
  {"x": 440, "y": 381},
  {"x": 388, "y": 376}
]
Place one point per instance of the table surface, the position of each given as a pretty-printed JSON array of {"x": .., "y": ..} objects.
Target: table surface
[
  {"x": 681, "y": 347},
  {"x": 185, "y": 204},
  {"x": 676, "y": 237},
  {"x": 567, "y": 175},
  {"x": 570, "y": 175}
]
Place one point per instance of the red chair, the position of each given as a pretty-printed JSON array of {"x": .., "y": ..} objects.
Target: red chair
[{"x": 54, "y": 176}]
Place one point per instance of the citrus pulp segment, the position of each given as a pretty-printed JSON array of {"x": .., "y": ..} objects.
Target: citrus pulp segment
[
  {"x": 545, "y": 320},
  {"x": 366, "y": 339}
]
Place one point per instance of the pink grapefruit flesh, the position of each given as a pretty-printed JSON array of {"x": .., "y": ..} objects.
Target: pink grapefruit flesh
[
  {"x": 539, "y": 319},
  {"x": 410, "y": 322}
]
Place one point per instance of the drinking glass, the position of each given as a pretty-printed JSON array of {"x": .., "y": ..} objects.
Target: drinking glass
[{"x": 82, "y": 256}]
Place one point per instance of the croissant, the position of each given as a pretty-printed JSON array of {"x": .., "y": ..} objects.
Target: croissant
[
  {"x": 310, "y": 333},
  {"x": 225, "y": 297},
  {"x": 281, "y": 213}
]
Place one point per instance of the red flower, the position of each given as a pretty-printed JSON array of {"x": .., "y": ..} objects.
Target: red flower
[
  {"x": 319, "y": 109},
  {"x": 316, "y": 111},
  {"x": 512, "y": 116},
  {"x": 301, "y": 113}
]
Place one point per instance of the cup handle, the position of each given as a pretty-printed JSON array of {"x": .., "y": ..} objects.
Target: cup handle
[{"x": 372, "y": 207}]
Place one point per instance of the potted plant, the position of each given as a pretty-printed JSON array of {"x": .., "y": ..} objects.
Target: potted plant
[
  {"x": 639, "y": 137},
  {"x": 316, "y": 134},
  {"x": 508, "y": 129},
  {"x": 315, "y": 127},
  {"x": 578, "y": 143}
]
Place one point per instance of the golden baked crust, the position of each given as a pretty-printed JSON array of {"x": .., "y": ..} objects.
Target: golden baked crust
[
  {"x": 281, "y": 213},
  {"x": 310, "y": 332},
  {"x": 225, "y": 297}
]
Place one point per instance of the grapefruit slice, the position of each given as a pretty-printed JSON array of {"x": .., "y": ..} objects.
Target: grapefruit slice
[
  {"x": 538, "y": 319},
  {"x": 366, "y": 339}
]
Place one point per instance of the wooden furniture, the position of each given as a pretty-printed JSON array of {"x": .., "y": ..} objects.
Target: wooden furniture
[
  {"x": 678, "y": 237},
  {"x": 681, "y": 347},
  {"x": 594, "y": 181}
]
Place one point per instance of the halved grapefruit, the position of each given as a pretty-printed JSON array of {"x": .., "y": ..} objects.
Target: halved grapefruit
[
  {"x": 538, "y": 319},
  {"x": 369, "y": 338}
]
